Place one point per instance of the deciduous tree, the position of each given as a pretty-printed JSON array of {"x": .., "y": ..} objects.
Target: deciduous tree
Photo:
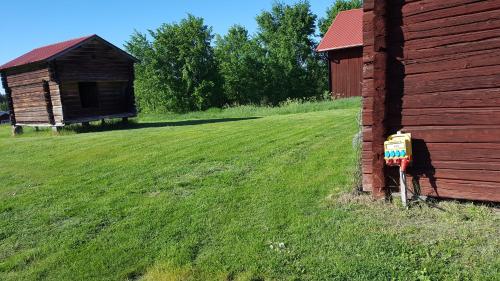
[
  {"x": 178, "y": 66},
  {"x": 3, "y": 103},
  {"x": 292, "y": 69},
  {"x": 238, "y": 59}
]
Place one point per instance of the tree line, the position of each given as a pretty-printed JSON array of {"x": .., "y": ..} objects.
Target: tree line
[{"x": 184, "y": 66}]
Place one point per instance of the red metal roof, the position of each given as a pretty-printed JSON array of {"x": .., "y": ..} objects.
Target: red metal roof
[
  {"x": 346, "y": 31},
  {"x": 43, "y": 53}
]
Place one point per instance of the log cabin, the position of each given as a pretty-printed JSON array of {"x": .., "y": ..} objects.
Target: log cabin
[
  {"x": 343, "y": 47},
  {"x": 432, "y": 69},
  {"x": 75, "y": 81}
]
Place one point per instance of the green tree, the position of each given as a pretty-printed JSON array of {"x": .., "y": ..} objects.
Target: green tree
[
  {"x": 3, "y": 103},
  {"x": 238, "y": 59},
  {"x": 147, "y": 94},
  {"x": 292, "y": 68},
  {"x": 177, "y": 70},
  {"x": 332, "y": 12}
]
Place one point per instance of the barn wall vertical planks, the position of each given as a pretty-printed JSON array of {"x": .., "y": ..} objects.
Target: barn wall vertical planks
[{"x": 345, "y": 68}]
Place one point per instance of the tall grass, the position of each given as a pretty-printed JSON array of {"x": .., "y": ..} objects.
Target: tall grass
[{"x": 287, "y": 107}]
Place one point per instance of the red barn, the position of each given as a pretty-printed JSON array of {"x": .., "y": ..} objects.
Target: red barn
[
  {"x": 343, "y": 44},
  {"x": 432, "y": 69}
]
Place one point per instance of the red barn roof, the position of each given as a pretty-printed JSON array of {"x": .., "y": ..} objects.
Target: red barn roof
[
  {"x": 43, "y": 53},
  {"x": 346, "y": 31},
  {"x": 55, "y": 50}
]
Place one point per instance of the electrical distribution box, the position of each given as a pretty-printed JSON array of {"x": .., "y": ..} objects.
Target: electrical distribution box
[{"x": 397, "y": 150}]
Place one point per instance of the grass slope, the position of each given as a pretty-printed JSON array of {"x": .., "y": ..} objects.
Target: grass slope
[{"x": 238, "y": 194}]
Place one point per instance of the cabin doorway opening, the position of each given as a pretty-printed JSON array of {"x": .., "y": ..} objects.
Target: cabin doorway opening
[{"x": 89, "y": 94}]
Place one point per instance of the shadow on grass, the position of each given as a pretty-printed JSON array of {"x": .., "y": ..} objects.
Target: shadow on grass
[{"x": 132, "y": 125}]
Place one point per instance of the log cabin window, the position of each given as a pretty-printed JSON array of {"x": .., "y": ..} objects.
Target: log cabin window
[{"x": 88, "y": 94}]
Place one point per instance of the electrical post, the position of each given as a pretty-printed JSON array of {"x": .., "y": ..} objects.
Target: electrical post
[
  {"x": 398, "y": 152},
  {"x": 402, "y": 187}
]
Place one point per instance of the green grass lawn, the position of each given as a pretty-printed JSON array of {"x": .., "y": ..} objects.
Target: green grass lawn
[{"x": 237, "y": 194}]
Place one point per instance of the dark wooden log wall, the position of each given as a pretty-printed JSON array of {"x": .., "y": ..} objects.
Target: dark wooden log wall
[
  {"x": 346, "y": 72},
  {"x": 112, "y": 100},
  {"x": 374, "y": 95},
  {"x": 443, "y": 86},
  {"x": 35, "y": 98},
  {"x": 95, "y": 62}
]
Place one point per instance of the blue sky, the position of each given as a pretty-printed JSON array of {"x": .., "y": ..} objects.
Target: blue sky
[{"x": 30, "y": 24}]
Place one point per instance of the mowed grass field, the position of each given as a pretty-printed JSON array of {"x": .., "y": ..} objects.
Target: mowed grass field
[{"x": 238, "y": 194}]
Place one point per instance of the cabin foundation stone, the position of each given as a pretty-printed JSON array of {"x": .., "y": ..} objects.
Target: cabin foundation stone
[{"x": 17, "y": 130}]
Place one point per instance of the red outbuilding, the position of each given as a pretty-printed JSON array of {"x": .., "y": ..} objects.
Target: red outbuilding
[{"x": 343, "y": 44}]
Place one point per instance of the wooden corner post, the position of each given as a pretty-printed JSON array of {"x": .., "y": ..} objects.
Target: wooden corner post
[
  {"x": 374, "y": 93},
  {"x": 15, "y": 129}
]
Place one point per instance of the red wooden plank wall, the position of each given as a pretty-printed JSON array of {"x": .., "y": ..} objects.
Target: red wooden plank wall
[
  {"x": 346, "y": 72},
  {"x": 440, "y": 81}
]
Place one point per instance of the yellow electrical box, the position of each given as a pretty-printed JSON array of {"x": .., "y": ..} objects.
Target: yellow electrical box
[{"x": 397, "y": 150}]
